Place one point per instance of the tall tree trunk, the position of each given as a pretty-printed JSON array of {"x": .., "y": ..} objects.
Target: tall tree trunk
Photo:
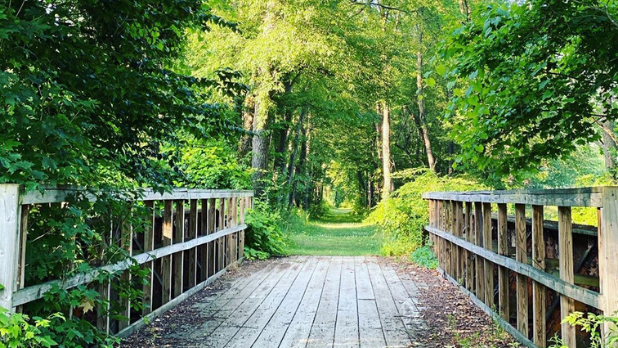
[
  {"x": 609, "y": 145},
  {"x": 369, "y": 191},
  {"x": 261, "y": 146},
  {"x": 307, "y": 168},
  {"x": 284, "y": 132},
  {"x": 244, "y": 145},
  {"x": 294, "y": 154},
  {"x": 421, "y": 122},
  {"x": 386, "y": 151}
]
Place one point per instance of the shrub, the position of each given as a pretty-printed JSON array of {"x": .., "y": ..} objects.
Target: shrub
[
  {"x": 17, "y": 330},
  {"x": 318, "y": 210},
  {"x": 264, "y": 236},
  {"x": 402, "y": 217},
  {"x": 424, "y": 257}
]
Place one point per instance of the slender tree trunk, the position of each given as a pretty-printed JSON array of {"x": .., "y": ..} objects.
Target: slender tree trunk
[
  {"x": 294, "y": 154},
  {"x": 261, "y": 145},
  {"x": 421, "y": 122},
  {"x": 464, "y": 8},
  {"x": 386, "y": 151},
  {"x": 247, "y": 119},
  {"x": 307, "y": 168},
  {"x": 609, "y": 145},
  {"x": 369, "y": 192}
]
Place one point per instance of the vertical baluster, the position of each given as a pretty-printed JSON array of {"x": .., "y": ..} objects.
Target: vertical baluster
[
  {"x": 126, "y": 242},
  {"x": 177, "y": 258},
  {"x": 166, "y": 261},
  {"x": 488, "y": 265},
  {"x": 192, "y": 253},
  {"x": 538, "y": 290},
  {"x": 565, "y": 245},
  {"x": 478, "y": 237},
  {"x": 149, "y": 246},
  {"x": 503, "y": 275},
  {"x": 522, "y": 257}
]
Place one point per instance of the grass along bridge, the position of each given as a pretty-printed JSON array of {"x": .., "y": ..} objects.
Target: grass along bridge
[{"x": 192, "y": 247}]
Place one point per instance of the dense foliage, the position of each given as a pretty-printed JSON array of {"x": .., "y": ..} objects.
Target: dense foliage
[{"x": 403, "y": 216}]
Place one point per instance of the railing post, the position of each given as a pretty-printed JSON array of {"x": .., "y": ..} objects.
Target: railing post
[
  {"x": 608, "y": 251},
  {"x": 503, "y": 273},
  {"x": 9, "y": 242},
  {"x": 565, "y": 245},
  {"x": 538, "y": 290},
  {"x": 522, "y": 257}
]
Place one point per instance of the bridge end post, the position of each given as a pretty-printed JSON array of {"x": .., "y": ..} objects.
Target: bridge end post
[
  {"x": 608, "y": 252},
  {"x": 9, "y": 243}
]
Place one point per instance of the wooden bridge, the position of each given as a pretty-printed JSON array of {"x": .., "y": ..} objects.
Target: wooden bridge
[{"x": 533, "y": 271}]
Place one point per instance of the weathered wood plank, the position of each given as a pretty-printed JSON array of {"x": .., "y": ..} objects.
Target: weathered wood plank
[
  {"x": 346, "y": 327},
  {"x": 395, "y": 331},
  {"x": 522, "y": 257},
  {"x": 488, "y": 265},
  {"x": 166, "y": 261},
  {"x": 480, "y": 265},
  {"x": 565, "y": 245},
  {"x": 469, "y": 256},
  {"x": 608, "y": 252},
  {"x": 149, "y": 246},
  {"x": 126, "y": 242},
  {"x": 503, "y": 275},
  {"x": 178, "y": 258},
  {"x": 538, "y": 290},
  {"x": 9, "y": 242},
  {"x": 191, "y": 275},
  {"x": 579, "y": 197},
  {"x": 323, "y": 328}
]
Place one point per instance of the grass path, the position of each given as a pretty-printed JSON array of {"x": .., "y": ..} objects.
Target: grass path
[{"x": 339, "y": 233}]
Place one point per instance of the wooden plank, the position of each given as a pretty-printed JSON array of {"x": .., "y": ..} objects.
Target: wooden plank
[
  {"x": 9, "y": 242},
  {"x": 577, "y": 293},
  {"x": 395, "y": 331},
  {"x": 323, "y": 327},
  {"x": 178, "y": 258},
  {"x": 448, "y": 262},
  {"x": 478, "y": 238},
  {"x": 608, "y": 253},
  {"x": 503, "y": 275},
  {"x": 297, "y": 333},
  {"x": 364, "y": 290},
  {"x": 488, "y": 266},
  {"x": 458, "y": 222},
  {"x": 469, "y": 256},
  {"x": 166, "y": 261},
  {"x": 579, "y": 197},
  {"x": 538, "y": 290},
  {"x": 565, "y": 245},
  {"x": 522, "y": 257},
  {"x": 149, "y": 246},
  {"x": 23, "y": 236},
  {"x": 346, "y": 325},
  {"x": 126, "y": 242},
  {"x": 369, "y": 325},
  {"x": 204, "y": 249},
  {"x": 59, "y": 195},
  {"x": 212, "y": 223},
  {"x": 192, "y": 253}
]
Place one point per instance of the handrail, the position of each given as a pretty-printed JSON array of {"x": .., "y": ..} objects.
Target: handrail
[{"x": 464, "y": 231}]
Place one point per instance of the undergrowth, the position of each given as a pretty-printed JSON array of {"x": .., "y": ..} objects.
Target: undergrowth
[{"x": 401, "y": 218}]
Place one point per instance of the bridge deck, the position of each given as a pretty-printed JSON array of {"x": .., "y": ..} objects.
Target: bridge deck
[{"x": 305, "y": 302}]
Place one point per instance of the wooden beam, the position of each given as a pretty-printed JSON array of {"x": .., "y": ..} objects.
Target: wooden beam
[
  {"x": 192, "y": 253},
  {"x": 166, "y": 262},
  {"x": 565, "y": 245},
  {"x": 488, "y": 265},
  {"x": 503, "y": 275},
  {"x": 9, "y": 242},
  {"x": 469, "y": 255},
  {"x": 539, "y": 330},
  {"x": 149, "y": 246},
  {"x": 521, "y": 257},
  {"x": 478, "y": 238},
  {"x": 579, "y": 197},
  {"x": 126, "y": 242},
  {"x": 608, "y": 253}
]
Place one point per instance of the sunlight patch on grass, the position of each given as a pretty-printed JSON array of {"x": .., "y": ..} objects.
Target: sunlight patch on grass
[{"x": 337, "y": 234}]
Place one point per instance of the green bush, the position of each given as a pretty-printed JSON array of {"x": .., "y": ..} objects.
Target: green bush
[
  {"x": 264, "y": 237},
  {"x": 402, "y": 217},
  {"x": 318, "y": 210},
  {"x": 424, "y": 257},
  {"x": 17, "y": 330}
]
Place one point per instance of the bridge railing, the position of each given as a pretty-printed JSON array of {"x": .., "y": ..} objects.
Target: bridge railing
[
  {"x": 503, "y": 263},
  {"x": 189, "y": 239}
]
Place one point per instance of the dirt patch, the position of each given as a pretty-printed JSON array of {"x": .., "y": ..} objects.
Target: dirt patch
[
  {"x": 170, "y": 329},
  {"x": 452, "y": 319}
]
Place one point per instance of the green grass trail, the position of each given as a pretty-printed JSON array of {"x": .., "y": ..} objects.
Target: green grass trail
[{"x": 338, "y": 233}]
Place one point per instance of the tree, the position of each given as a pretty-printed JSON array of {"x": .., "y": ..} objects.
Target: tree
[{"x": 538, "y": 78}]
